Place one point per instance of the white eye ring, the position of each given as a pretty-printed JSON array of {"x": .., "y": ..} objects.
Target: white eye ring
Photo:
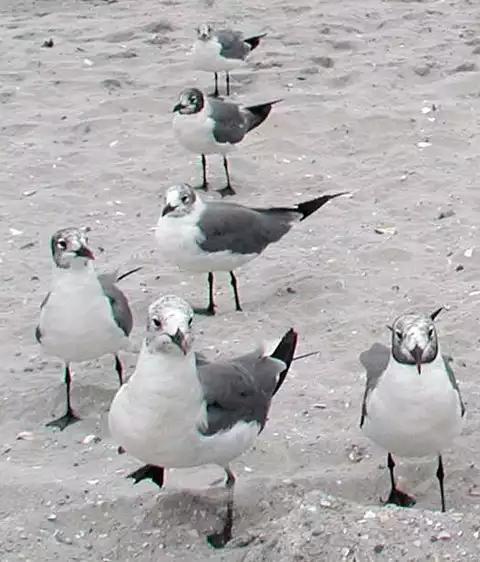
[{"x": 62, "y": 244}]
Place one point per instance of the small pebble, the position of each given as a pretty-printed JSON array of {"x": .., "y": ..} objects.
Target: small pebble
[
  {"x": 378, "y": 548},
  {"x": 48, "y": 43},
  {"x": 445, "y": 214},
  {"x": 52, "y": 517},
  {"x": 25, "y": 436},
  {"x": 91, "y": 439}
]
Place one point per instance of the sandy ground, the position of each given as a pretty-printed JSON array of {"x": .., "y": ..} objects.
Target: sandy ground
[{"x": 86, "y": 138}]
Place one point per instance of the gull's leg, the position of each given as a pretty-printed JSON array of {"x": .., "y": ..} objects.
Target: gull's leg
[
  {"x": 396, "y": 496},
  {"x": 204, "y": 184},
  {"x": 228, "y": 82},
  {"x": 210, "y": 310},
  {"x": 219, "y": 540},
  {"x": 155, "y": 473},
  {"x": 233, "y": 282},
  {"x": 70, "y": 416},
  {"x": 216, "y": 93},
  {"x": 119, "y": 369},
  {"x": 441, "y": 477},
  {"x": 228, "y": 189}
]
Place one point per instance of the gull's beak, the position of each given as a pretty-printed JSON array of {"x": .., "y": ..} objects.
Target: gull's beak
[
  {"x": 179, "y": 339},
  {"x": 177, "y": 107},
  {"x": 167, "y": 209},
  {"x": 417, "y": 354},
  {"x": 84, "y": 252}
]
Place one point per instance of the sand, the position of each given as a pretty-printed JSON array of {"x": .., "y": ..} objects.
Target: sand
[{"x": 381, "y": 99}]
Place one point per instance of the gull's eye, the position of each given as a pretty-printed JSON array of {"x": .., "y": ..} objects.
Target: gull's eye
[
  {"x": 62, "y": 244},
  {"x": 190, "y": 322},
  {"x": 399, "y": 334},
  {"x": 156, "y": 322},
  {"x": 431, "y": 332},
  {"x": 184, "y": 199}
]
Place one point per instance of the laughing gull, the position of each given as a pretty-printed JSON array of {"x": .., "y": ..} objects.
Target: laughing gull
[
  {"x": 222, "y": 50},
  {"x": 412, "y": 405},
  {"x": 84, "y": 316},
  {"x": 205, "y": 125},
  {"x": 211, "y": 236},
  {"x": 175, "y": 413}
]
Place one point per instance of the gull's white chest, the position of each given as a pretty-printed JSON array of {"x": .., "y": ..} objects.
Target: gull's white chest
[
  {"x": 195, "y": 132},
  {"x": 206, "y": 56},
  {"x": 77, "y": 323},
  {"x": 411, "y": 414}
]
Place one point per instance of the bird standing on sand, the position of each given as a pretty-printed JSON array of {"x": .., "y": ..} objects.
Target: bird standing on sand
[
  {"x": 222, "y": 50},
  {"x": 206, "y": 125},
  {"x": 412, "y": 405},
  {"x": 176, "y": 411},
  {"x": 209, "y": 236},
  {"x": 84, "y": 316}
]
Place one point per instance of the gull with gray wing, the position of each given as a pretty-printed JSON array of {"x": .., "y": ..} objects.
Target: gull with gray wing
[
  {"x": 208, "y": 236},
  {"x": 205, "y": 125},
  {"x": 176, "y": 411},
  {"x": 222, "y": 50},
  {"x": 85, "y": 315},
  {"x": 412, "y": 405}
]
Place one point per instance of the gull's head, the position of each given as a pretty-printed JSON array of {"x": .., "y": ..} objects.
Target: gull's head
[
  {"x": 70, "y": 248},
  {"x": 190, "y": 101},
  {"x": 179, "y": 200},
  {"x": 169, "y": 326},
  {"x": 414, "y": 339},
  {"x": 204, "y": 32}
]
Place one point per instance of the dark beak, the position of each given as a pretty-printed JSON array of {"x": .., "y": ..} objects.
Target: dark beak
[
  {"x": 84, "y": 252},
  {"x": 417, "y": 354},
  {"x": 177, "y": 107},
  {"x": 179, "y": 339},
  {"x": 167, "y": 209}
]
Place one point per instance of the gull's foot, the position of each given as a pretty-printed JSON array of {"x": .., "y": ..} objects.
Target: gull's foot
[
  {"x": 219, "y": 540},
  {"x": 397, "y": 497},
  {"x": 226, "y": 191},
  {"x": 209, "y": 311},
  {"x": 61, "y": 423},
  {"x": 149, "y": 472}
]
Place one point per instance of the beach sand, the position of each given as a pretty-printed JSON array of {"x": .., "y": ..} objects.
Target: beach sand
[{"x": 380, "y": 99}]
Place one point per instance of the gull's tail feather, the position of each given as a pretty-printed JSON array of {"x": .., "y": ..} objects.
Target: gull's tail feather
[
  {"x": 257, "y": 114},
  {"x": 285, "y": 351},
  {"x": 254, "y": 41},
  {"x": 309, "y": 207}
]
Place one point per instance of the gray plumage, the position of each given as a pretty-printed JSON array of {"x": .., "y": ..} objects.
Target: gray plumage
[
  {"x": 235, "y": 45},
  {"x": 241, "y": 390}
]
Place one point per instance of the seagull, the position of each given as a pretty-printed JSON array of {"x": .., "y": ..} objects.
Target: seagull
[
  {"x": 205, "y": 125},
  {"x": 176, "y": 412},
  {"x": 85, "y": 315},
  {"x": 412, "y": 405},
  {"x": 211, "y": 236},
  {"x": 222, "y": 50}
]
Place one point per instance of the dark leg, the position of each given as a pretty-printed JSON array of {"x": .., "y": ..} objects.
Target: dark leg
[
  {"x": 228, "y": 189},
  {"x": 215, "y": 93},
  {"x": 69, "y": 417},
  {"x": 204, "y": 184},
  {"x": 396, "y": 496},
  {"x": 219, "y": 540},
  {"x": 228, "y": 83},
  {"x": 233, "y": 282},
  {"x": 210, "y": 310},
  {"x": 441, "y": 477},
  {"x": 119, "y": 369},
  {"x": 155, "y": 473}
]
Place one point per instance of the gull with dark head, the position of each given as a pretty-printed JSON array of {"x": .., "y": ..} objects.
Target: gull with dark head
[
  {"x": 412, "y": 405},
  {"x": 208, "y": 236},
  {"x": 177, "y": 412},
  {"x": 85, "y": 315},
  {"x": 205, "y": 125},
  {"x": 222, "y": 50}
]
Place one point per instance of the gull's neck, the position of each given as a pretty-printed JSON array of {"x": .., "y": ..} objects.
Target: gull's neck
[{"x": 76, "y": 271}]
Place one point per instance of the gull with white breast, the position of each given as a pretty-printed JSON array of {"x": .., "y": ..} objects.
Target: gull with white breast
[
  {"x": 412, "y": 405},
  {"x": 205, "y": 125},
  {"x": 208, "y": 236},
  {"x": 85, "y": 315},
  {"x": 222, "y": 50},
  {"x": 176, "y": 411}
]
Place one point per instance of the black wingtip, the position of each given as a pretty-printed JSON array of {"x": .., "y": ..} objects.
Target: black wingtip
[
  {"x": 254, "y": 41},
  {"x": 129, "y": 273},
  {"x": 285, "y": 351},
  {"x": 258, "y": 113},
  {"x": 309, "y": 207}
]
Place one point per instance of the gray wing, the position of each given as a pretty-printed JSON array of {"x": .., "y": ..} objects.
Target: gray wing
[
  {"x": 118, "y": 301},
  {"x": 240, "y": 390},
  {"x": 233, "y": 44},
  {"x": 38, "y": 333},
  {"x": 453, "y": 380},
  {"x": 228, "y": 226},
  {"x": 375, "y": 361},
  {"x": 230, "y": 123}
]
